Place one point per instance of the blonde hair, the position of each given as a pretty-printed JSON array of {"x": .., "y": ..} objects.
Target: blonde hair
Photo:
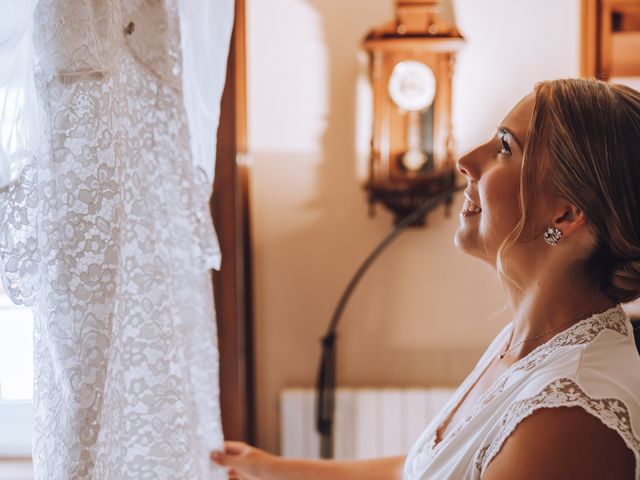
[{"x": 588, "y": 133}]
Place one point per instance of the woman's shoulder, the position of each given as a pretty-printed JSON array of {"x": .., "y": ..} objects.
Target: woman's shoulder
[
  {"x": 594, "y": 367},
  {"x": 555, "y": 403},
  {"x": 563, "y": 443},
  {"x": 591, "y": 369}
]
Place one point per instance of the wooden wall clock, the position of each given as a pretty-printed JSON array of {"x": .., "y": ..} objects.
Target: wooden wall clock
[{"x": 411, "y": 67}]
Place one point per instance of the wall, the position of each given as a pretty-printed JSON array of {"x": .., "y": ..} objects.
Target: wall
[{"x": 424, "y": 313}]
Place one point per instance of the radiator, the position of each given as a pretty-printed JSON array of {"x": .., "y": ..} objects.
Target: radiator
[{"x": 368, "y": 422}]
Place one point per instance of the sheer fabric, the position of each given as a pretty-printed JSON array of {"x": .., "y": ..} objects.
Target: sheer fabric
[
  {"x": 19, "y": 120},
  {"x": 204, "y": 27},
  {"x": 592, "y": 365},
  {"x": 107, "y": 233}
]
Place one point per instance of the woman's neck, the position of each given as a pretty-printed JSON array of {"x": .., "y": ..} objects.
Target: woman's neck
[{"x": 548, "y": 304}]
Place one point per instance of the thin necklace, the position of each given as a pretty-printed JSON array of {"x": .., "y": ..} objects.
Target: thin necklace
[{"x": 501, "y": 356}]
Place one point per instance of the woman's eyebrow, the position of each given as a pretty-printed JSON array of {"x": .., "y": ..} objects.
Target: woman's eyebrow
[{"x": 505, "y": 130}]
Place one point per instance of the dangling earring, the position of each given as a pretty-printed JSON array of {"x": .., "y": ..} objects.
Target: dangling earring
[{"x": 552, "y": 236}]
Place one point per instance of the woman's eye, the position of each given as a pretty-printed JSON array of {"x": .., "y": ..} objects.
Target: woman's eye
[{"x": 505, "y": 149}]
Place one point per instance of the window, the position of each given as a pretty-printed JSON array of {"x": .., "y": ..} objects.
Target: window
[
  {"x": 18, "y": 133},
  {"x": 16, "y": 378}
]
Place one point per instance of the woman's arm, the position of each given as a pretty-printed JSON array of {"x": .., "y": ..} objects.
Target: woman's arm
[
  {"x": 562, "y": 442},
  {"x": 251, "y": 463}
]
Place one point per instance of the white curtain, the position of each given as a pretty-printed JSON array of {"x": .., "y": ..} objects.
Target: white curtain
[
  {"x": 19, "y": 130},
  {"x": 105, "y": 230}
]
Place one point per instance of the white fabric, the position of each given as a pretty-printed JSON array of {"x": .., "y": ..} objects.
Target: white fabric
[
  {"x": 593, "y": 364},
  {"x": 107, "y": 233},
  {"x": 205, "y": 29},
  {"x": 19, "y": 119},
  {"x": 204, "y": 26}
]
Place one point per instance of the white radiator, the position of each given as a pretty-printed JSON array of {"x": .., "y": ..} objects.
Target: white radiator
[{"x": 368, "y": 422}]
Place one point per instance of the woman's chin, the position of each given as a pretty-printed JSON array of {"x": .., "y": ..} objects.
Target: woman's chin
[
  {"x": 461, "y": 237},
  {"x": 470, "y": 244},
  {"x": 464, "y": 242}
]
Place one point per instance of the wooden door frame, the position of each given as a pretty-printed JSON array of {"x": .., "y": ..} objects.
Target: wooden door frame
[
  {"x": 230, "y": 211},
  {"x": 589, "y": 33},
  {"x": 597, "y": 39}
]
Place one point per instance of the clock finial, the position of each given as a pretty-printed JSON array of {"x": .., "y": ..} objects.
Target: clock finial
[{"x": 417, "y": 16}]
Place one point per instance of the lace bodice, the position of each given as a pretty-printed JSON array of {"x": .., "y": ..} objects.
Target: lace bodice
[{"x": 565, "y": 371}]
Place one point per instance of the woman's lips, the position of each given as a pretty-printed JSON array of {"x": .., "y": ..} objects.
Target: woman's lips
[{"x": 469, "y": 208}]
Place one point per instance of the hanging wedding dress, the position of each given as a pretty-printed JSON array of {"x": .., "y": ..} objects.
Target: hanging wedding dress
[
  {"x": 106, "y": 232},
  {"x": 593, "y": 365}
]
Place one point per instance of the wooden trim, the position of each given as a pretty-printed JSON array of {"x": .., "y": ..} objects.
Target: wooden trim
[
  {"x": 607, "y": 51},
  {"x": 240, "y": 46},
  {"x": 416, "y": 45},
  {"x": 232, "y": 284},
  {"x": 589, "y": 38},
  {"x": 604, "y": 66}
]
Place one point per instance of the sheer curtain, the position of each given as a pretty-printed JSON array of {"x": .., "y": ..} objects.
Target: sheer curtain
[
  {"x": 105, "y": 229},
  {"x": 19, "y": 129}
]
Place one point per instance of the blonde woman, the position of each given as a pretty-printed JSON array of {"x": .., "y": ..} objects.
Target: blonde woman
[{"x": 553, "y": 204}]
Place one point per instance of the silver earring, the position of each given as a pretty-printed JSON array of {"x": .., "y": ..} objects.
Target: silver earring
[{"x": 553, "y": 235}]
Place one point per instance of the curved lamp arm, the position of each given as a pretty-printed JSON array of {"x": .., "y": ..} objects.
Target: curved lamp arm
[{"x": 326, "y": 380}]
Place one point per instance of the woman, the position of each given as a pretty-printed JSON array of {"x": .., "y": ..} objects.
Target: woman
[{"x": 552, "y": 205}]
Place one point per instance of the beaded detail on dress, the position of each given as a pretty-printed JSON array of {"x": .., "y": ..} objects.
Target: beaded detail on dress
[{"x": 581, "y": 333}]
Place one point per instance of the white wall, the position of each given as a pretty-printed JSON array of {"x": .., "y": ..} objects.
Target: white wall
[{"x": 424, "y": 312}]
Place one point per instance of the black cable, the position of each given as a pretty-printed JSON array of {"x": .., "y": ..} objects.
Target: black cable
[{"x": 326, "y": 381}]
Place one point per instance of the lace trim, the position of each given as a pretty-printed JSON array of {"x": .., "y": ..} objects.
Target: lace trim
[
  {"x": 563, "y": 392},
  {"x": 582, "y": 332}
]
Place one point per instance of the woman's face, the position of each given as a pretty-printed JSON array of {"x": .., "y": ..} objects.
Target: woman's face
[{"x": 491, "y": 208}]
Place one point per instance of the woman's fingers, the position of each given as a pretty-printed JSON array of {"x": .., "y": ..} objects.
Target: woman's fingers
[
  {"x": 232, "y": 454},
  {"x": 245, "y": 461},
  {"x": 231, "y": 451},
  {"x": 235, "y": 448}
]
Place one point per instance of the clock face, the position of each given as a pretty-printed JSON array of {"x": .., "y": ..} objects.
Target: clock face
[{"x": 412, "y": 85}]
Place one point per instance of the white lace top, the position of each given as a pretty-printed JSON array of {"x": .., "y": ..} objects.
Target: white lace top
[{"x": 593, "y": 364}]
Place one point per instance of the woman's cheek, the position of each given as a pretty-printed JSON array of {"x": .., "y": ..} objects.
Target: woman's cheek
[{"x": 501, "y": 204}]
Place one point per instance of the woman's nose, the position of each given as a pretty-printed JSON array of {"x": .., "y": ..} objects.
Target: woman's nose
[{"x": 469, "y": 166}]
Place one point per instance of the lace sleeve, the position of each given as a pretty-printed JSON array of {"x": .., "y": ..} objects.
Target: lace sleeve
[{"x": 563, "y": 392}]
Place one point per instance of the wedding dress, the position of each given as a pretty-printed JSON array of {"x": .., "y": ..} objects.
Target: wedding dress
[
  {"x": 106, "y": 232},
  {"x": 593, "y": 365}
]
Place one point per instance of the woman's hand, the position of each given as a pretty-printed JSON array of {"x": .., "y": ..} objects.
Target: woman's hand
[
  {"x": 244, "y": 461},
  {"x": 249, "y": 463}
]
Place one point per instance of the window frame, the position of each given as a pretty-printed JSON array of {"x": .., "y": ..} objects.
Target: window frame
[{"x": 16, "y": 416}]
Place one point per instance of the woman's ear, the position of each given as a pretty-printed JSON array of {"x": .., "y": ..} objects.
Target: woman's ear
[{"x": 569, "y": 218}]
